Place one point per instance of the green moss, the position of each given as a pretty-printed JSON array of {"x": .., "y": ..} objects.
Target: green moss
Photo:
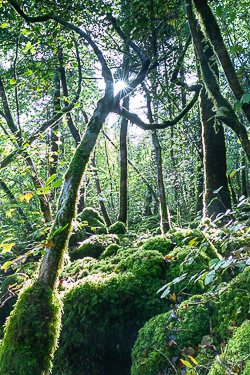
[
  {"x": 31, "y": 333},
  {"x": 162, "y": 244},
  {"x": 102, "y": 315},
  {"x": 93, "y": 219},
  {"x": 193, "y": 319},
  {"x": 117, "y": 228},
  {"x": 186, "y": 328},
  {"x": 235, "y": 354},
  {"x": 144, "y": 263},
  {"x": 186, "y": 259},
  {"x": 78, "y": 234},
  {"x": 112, "y": 249},
  {"x": 93, "y": 246}
]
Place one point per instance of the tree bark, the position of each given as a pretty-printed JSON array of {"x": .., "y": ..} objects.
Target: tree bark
[
  {"x": 123, "y": 213},
  {"x": 99, "y": 192}
]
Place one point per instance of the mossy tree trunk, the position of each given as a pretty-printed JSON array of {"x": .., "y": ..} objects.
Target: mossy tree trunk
[
  {"x": 214, "y": 152},
  {"x": 224, "y": 110},
  {"x": 35, "y": 319},
  {"x": 123, "y": 213},
  {"x": 215, "y": 165}
]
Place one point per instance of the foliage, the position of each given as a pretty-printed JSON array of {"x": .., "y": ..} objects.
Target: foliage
[{"x": 111, "y": 250}]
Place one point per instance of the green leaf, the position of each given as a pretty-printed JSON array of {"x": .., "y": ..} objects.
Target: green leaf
[
  {"x": 245, "y": 98},
  {"x": 26, "y": 32},
  {"x": 5, "y": 24},
  {"x": 219, "y": 11},
  {"x": 237, "y": 105},
  {"x": 209, "y": 277},
  {"x": 12, "y": 81},
  {"x": 5, "y": 265},
  {"x": 6, "y": 247},
  {"x": 50, "y": 179},
  {"x": 57, "y": 183}
]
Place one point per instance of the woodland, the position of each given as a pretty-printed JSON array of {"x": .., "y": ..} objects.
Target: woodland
[{"x": 124, "y": 187}]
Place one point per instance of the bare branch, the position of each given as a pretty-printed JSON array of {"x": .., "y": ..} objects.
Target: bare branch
[{"x": 134, "y": 119}]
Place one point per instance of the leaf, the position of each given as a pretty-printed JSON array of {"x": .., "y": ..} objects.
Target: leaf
[
  {"x": 50, "y": 179},
  {"x": 12, "y": 81},
  {"x": 193, "y": 360},
  {"x": 219, "y": 11},
  {"x": 57, "y": 183},
  {"x": 245, "y": 98},
  {"x": 5, "y": 265},
  {"x": 27, "y": 196},
  {"x": 5, "y": 24},
  {"x": 217, "y": 190},
  {"x": 193, "y": 241},
  {"x": 26, "y": 32},
  {"x": 191, "y": 372},
  {"x": 186, "y": 363},
  {"x": 49, "y": 244},
  {"x": 209, "y": 277},
  {"x": 9, "y": 213},
  {"x": 237, "y": 105},
  {"x": 6, "y": 247}
]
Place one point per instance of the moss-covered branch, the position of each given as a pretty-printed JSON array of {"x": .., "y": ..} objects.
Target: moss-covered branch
[
  {"x": 225, "y": 112},
  {"x": 211, "y": 29}
]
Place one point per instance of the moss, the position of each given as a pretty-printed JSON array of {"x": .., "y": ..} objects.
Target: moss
[
  {"x": 186, "y": 259},
  {"x": 235, "y": 354},
  {"x": 31, "y": 333},
  {"x": 162, "y": 244},
  {"x": 102, "y": 315},
  {"x": 117, "y": 228},
  {"x": 194, "y": 318},
  {"x": 184, "y": 236},
  {"x": 78, "y": 234},
  {"x": 144, "y": 263},
  {"x": 186, "y": 328},
  {"x": 93, "y": 246},
  {"x": 111, "y": 250},
  {"x": 93, "y": 219}
]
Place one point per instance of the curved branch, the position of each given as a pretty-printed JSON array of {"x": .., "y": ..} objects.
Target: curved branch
[
  {"x": 144, "y": 62},
  {"x": 134, "y": 119}
]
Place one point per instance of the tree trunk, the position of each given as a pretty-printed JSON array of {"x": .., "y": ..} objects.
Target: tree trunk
[
  {"x": 215, "y": 165},
  {"x": 163, "y": 204},
  {"x": 123, "y": 213},
  {"x": 99, "y": 192}
]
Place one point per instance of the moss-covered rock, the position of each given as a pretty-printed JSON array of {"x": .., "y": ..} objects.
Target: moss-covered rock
[
  {"x": 102, "y": 315},
  {"x": 156, "y": 340},
  {"x": 93, "y": 221},
  {"x": 93, "y": 246},
  {"x": 117, "y": 228},
  {"x": 31, "y": 333},
  {"x": 161, "y": 243},
  {"x": 78, "y": 234},
  {"x": 208, "y": 317},
  {"x": 235, "y": 354},
  {"x": 111, "y": 250}
]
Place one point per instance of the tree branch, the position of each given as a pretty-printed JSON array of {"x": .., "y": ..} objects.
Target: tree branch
[{"x": 134, "y": 119}]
